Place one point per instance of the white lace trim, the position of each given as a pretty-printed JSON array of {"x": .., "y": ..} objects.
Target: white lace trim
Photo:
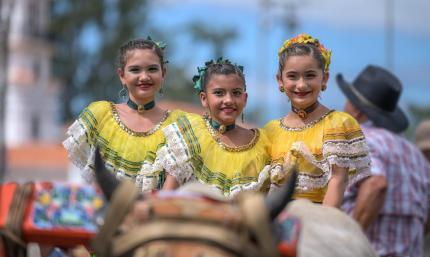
[
  {"x": 174, "y": 156},
  {"x": 263, "y": 176},
  {"x": 334, "y": 153},
  {"x": 81, "y": 154},
  {"x": 148, "y": 177},
  {"x": 304, "y": 181}
]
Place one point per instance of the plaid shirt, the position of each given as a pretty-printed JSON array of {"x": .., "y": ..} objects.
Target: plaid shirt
[{"x": 399, "y": 227}]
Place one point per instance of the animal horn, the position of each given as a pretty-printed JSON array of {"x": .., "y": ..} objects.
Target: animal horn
[
  {"x": 277, "y": 201},
  {"x": 106, "y": 180}
]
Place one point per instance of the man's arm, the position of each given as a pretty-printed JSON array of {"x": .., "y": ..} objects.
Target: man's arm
[{"x": 370, "y": 199}]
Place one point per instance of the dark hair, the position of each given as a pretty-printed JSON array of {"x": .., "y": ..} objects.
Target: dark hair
[
  {"x": 300, "y": 50},
  {"x": 138, "y": 44},
  {"x": 222, "y": 69}
]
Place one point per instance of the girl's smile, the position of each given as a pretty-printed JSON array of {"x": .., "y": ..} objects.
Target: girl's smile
[
  {"x": 224, "y": 97},
  {"x": 302, "y": 94},
  {"x": 142, "y": 75},
  {"x": 302, "y": 80}
]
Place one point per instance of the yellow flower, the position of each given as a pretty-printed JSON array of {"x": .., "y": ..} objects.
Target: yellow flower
[{"x": 304, "y": 38}]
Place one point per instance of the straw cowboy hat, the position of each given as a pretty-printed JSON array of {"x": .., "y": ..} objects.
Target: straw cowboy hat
[
  {"x": 376, "y": 93},
  {"x": 422, "y": 135}
]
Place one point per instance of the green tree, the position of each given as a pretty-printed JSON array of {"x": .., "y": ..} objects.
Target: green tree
[
  {"x": 217, "y": 38},
  {"x": 178, "y": 85}
]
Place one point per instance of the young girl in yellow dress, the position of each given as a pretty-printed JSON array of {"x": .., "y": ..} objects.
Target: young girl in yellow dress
[
  {"x": 213, "y": 149},
  {"x": 128, "y": 134},
  {"x": 327, "y": 147}
]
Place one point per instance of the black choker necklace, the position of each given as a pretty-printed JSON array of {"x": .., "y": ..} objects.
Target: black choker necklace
[
  {"x": 140, "y": 108},
  {"x": 303, "y": 113},
  {"x": 221, "y": 128}
]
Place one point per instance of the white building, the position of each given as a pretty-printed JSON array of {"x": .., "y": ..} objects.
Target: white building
[{"x": 32, "y": 102}]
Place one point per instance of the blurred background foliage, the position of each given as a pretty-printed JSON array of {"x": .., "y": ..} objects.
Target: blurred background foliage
[
  {"x": 417, "y": 113},
  {"x": 87, "y": 34}
]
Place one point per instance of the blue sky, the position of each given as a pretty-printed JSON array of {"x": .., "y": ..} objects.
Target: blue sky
[{"x": 353, "y": 30}]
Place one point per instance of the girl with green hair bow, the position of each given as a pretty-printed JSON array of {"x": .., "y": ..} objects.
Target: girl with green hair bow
[
  {"x": 128, "y": 133},
  {"x": 213, "y": 149}
]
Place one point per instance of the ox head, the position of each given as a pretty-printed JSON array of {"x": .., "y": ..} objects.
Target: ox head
[{"x": 242, "y": 212}]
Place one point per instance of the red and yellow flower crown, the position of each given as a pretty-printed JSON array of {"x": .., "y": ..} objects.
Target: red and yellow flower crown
[{"x": 307, "y": 39}]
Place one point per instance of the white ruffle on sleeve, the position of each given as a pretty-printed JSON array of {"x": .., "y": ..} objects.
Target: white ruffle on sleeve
[
  {"x": 352, "y": 155},
  {"x": 174, "y": 157},
  {"x": 263, "y": 177},
  {"x": 80, "y": 151},
  {"x": 148, "y": 177}
]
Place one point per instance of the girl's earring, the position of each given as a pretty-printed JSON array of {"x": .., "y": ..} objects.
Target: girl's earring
[
  {"x": 323, "y": 88},
  {"x": 161, "y": 90},
  {"x": 123, "y": 92},
  {"x": 282, "y": 89},
  {"x": 243, "y": 118},
  {"x": 207, "y": 115}
]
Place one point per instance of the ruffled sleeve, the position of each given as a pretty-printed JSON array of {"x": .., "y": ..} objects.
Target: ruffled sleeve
[
  {"x": 80, "y": 141},
  {"x": 176, "y": 155},
  {"x": 346, "y": 147}
]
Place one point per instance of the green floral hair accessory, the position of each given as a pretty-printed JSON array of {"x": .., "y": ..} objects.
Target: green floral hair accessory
[
  {"x": 198, "y": 79},
  {"x": 160, "y": 44}
]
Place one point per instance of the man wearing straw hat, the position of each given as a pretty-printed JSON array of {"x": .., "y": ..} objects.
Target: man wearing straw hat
[{"x": 393, "y": 204}]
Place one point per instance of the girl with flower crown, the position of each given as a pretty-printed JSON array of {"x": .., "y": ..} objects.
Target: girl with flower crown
[
  {"x": 327, "y": 147},
  {"x": 213, "y": 149},
  {"x": 127, "y": 134}
]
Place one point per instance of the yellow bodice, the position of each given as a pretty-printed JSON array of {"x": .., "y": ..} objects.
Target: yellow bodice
[
  {"x": 198, "y": 153},
  {"x": 125, "y": 151},
  {"x": 334, "y": 139}
]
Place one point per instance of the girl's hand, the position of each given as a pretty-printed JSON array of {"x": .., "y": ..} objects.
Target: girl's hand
[{"x": 170, "y": 183}]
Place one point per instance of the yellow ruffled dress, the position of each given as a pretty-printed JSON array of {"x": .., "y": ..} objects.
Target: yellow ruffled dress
[
  {"x": 334, "y": 139},
  {"x": 193, "y": 151},
  {"x": 126, "y": 153}
]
